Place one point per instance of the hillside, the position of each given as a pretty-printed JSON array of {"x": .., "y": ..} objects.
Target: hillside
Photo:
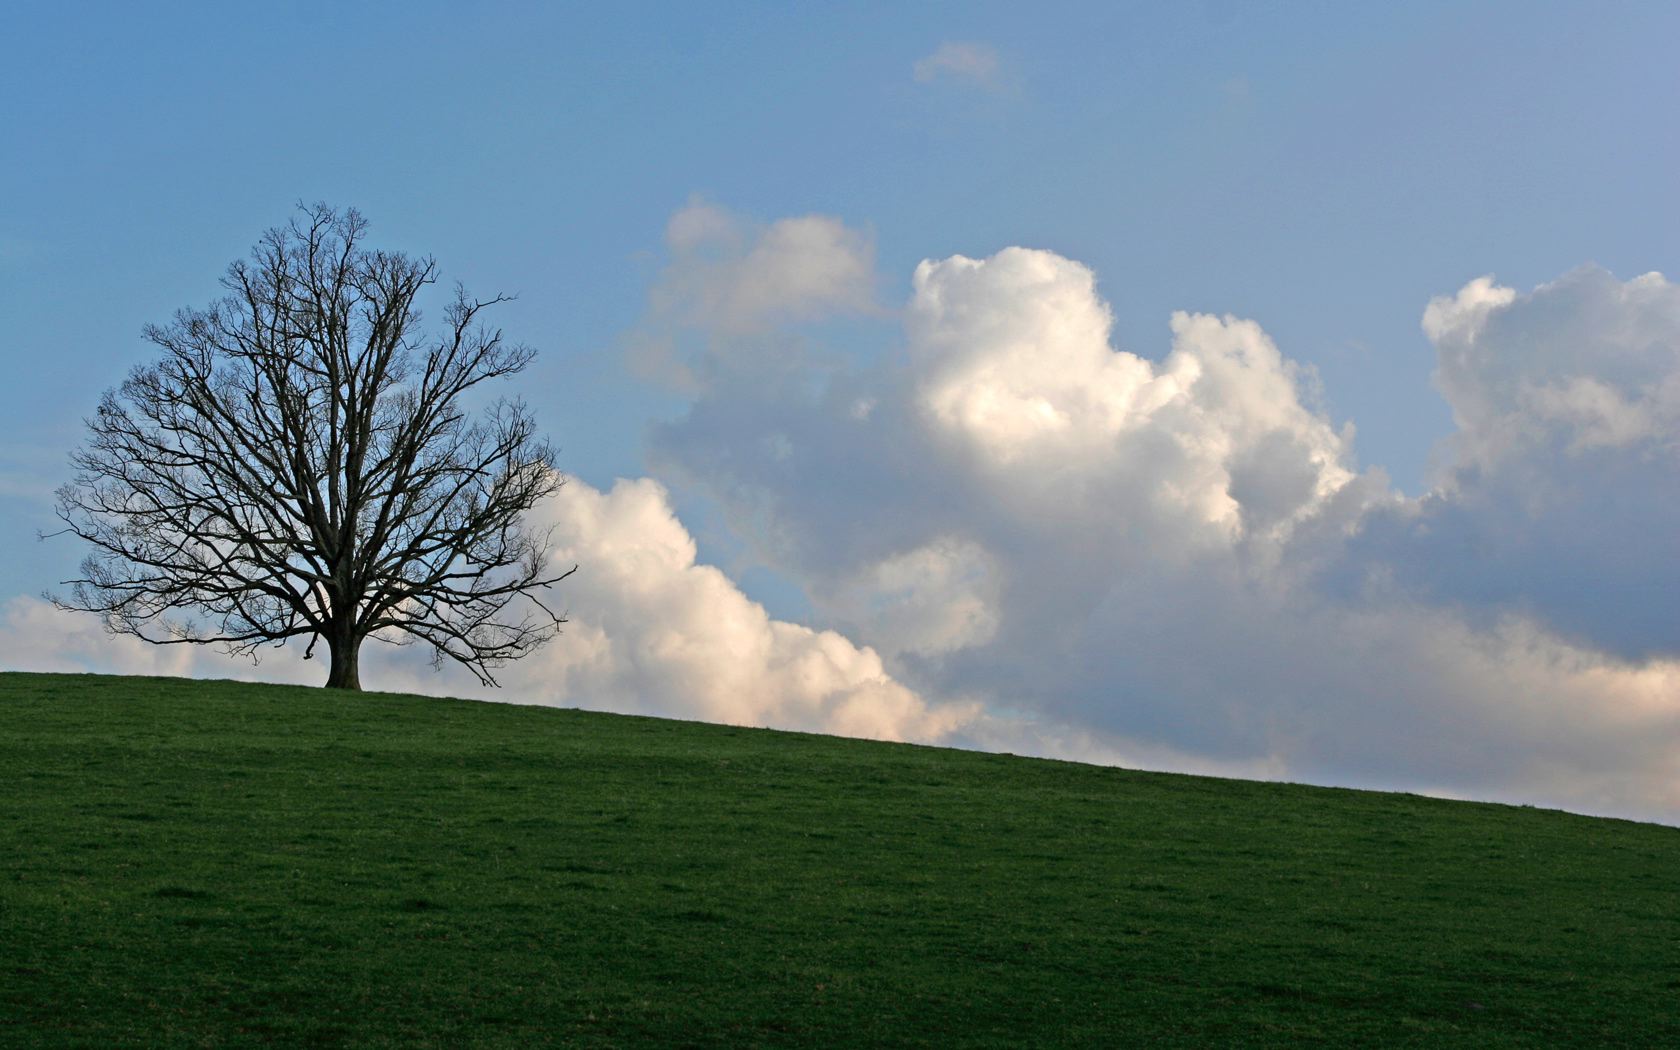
[{"x": 214, "y": 863}]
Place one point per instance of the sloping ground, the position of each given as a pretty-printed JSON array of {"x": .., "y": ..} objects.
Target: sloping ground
[{"x": 209, "y": 863}]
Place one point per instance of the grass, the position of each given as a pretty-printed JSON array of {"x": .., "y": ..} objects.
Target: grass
[{"x": 220, "y": 864}]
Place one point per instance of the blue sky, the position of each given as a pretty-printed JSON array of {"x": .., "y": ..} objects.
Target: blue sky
[{"x": 1324, "y": 170}]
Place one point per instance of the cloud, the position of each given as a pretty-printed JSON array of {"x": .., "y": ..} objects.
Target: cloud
[
  {"x": 734, "y": 276},
  {"x": 653, "y": 631},
  {"x": 961, "y": 61},
  {"x": 1017, "y": 536},
  {"x": 937, "y": 598},
  {"x": 1586, "y": 362},
  {"x": 650, "y": 631},
  {"x": 1129, "y": 556},
  {"x": 1011, "y": 364},
  {"x": 1012, "y": 424},
  {"x": 36, "y": 635},
  {"x": 1561, "y": 500},
  {"x": 734, "y": 287}
]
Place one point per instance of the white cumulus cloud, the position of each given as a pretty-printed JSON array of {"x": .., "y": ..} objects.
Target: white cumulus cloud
[
  {"x": 1012, "y": 362},
  {"x": 731, "y": 289},
  {"x": 1561, "y": 499},
  {"x": 937, "y": 598},
  {"x": 653, "y": 631},
  {"x": 650, "y": 631},
  {"x": 735, "y": 276},
  {"x": 1587, "y": 360},
  {"x": 1127, "y": 556},
  {"x": 1017, "y": 535}
]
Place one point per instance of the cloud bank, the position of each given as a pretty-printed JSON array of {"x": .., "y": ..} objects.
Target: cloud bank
[
  {"x": 654, "y": 632},
  {"x": 1019, "y": 537},
  {"x": 1180, "y": 555},
  {"x": 1562, "y": 502},
  {"x": 650, "y": 632}
]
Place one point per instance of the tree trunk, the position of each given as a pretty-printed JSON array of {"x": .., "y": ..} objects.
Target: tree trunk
[{"x": 346, "y": 650}]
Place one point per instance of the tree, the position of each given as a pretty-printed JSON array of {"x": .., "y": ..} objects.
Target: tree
[{"x": 302, "y": 463}]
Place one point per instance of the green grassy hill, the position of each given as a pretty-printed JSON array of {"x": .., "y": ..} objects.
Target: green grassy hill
[{"x": 213, "y": 863}]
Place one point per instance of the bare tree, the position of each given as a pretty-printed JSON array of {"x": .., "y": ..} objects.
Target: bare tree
[{"x": 302, "y": 463}]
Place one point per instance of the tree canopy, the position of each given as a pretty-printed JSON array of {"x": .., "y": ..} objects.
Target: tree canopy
[{"x": 303, "y": 462}]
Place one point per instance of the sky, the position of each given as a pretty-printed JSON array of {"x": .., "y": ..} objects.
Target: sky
[{"x": 1284, "y": 390}]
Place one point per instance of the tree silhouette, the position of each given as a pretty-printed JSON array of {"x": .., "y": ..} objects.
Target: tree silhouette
[{"x": 302, "y": 463}]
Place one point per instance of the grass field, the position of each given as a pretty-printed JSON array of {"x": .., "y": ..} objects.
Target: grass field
[{"x": 213, "y": 863}]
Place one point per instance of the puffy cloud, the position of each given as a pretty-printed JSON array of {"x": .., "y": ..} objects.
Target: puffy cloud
[
  {"x": 731, "y": 288},
  {"x": 734, "y": 276},
  {"x": 1124, "y": 556},
  {"x": 964, "y": 61},
  {"x": 1011, "y": 362},
  {"x": 1013, "y": 426},
  {"x": 1042, "y": 543},
  {"x": 651, "y": 631},
  {"x": 1562, "y": 497},
  {"x": 937, "y": 598},
  {"x": 1585, "y": 362}
]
